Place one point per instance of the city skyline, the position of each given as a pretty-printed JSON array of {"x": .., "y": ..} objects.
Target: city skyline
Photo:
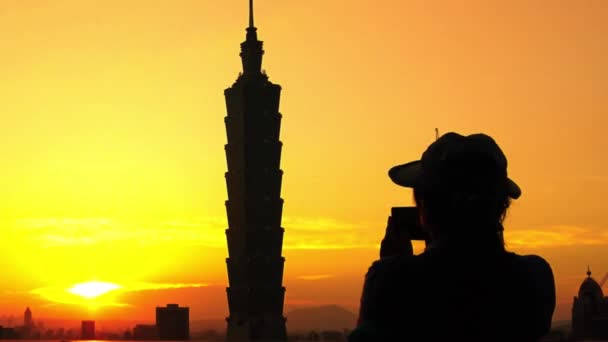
[{"x": 113, "y": 172}]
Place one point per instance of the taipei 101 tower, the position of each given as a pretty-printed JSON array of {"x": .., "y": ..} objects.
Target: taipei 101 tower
[{"x": 254, "y": 205}]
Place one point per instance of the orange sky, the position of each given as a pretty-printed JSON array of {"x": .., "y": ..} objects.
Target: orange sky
[{"x": 112, "y": 138}]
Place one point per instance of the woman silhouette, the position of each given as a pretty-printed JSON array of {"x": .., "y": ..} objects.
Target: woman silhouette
[{"x": 465, "y": 286}]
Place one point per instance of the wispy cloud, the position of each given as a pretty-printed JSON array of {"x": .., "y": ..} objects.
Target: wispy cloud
[
  {"x": 556, "y": 236},
  {"x": 53, "y": 232},
  {"x": 66, "y": 294},
  {"x": 316, "y": 277},
  {"x": 154, "y": 286},
  {"x": 300, "y": 232},
  {"x": 326, "y": 233}
]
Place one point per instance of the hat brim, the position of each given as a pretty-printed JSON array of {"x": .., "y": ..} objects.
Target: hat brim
[{"x": 408, "y": 175}]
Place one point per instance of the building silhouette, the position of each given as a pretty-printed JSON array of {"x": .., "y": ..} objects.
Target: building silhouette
[
  {"x": 145, "y": 332},
  {"x": 87, "y": 331},
  {"x": 590, "y": 311},
  {"x": 28, "y": 322},
  {"x": 254, "y": 206},
  {"x": 8, "y": 333},
  {"x": 173, "y": 322}
]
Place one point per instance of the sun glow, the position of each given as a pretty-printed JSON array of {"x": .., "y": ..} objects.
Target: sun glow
[{"x": 93, "y": 289}]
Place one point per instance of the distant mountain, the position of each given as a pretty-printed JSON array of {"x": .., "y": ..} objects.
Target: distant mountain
[{"x": 328, "y": 317}]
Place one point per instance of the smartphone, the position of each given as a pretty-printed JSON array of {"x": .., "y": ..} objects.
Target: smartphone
[{"x": 406, "y": 218}]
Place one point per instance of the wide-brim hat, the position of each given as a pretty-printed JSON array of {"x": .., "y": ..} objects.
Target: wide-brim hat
[{"x": 453, "y": 150}]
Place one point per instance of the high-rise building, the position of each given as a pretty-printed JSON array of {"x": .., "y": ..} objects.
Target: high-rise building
[
  {"x": 28, "y": 322},
  {"x": 590, "y": 311},
  {"x": 173, "y": 322},
  {"x": 88, "y": 330},
  {"x": 254, "y": 206}
]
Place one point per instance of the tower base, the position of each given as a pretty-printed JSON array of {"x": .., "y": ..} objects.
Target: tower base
[{"x": 263, "y": 329}]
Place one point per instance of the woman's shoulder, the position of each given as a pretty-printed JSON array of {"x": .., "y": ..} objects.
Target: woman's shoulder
[
  {"x": 540, "y": 273},
  {"x": 536, "y": 262},
  {"x": 532, "y": 263}
]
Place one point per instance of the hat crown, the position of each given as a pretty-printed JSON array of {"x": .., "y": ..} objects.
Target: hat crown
[{"x": 454, "y": 151}]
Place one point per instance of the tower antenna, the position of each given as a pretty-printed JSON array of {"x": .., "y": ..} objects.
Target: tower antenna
[{"x": 251, "y": 13}]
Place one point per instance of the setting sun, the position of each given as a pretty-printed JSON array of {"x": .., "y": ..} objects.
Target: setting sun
[{"x": 93, "y": 289}]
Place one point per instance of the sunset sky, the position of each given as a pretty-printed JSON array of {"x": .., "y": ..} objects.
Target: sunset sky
[{"x": 112, "y": 132}]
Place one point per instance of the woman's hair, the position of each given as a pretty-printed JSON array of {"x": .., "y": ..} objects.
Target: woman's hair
[{"x": 465, "y": 205}]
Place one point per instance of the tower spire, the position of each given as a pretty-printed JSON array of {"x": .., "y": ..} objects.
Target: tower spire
[
  {"x": 251, "y": 14},
  {"x": 252, "y": 49}
]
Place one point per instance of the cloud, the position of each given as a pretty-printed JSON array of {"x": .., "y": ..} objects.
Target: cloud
[
  {"x": 326, "y": 233},
  {"x": 315, "y": 277},
  {"x": 54, "y": 232},
  {"x": 66, "y": 294},
  {"x": 155, "y": 286},
  {"x": 556, "y": 236},
  {"x": 301, "y": 233},
  {"x": 319, "y": 224}
]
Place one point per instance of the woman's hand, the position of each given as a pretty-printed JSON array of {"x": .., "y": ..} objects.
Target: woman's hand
[{"x": 396, "y": 241}]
